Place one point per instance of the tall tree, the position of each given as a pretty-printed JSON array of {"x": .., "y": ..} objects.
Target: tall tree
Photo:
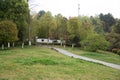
[
  {"x": 114, "y": 36},
  {"x": 40, "y": 14},
  {"x": 108, "y": 21},
  {"x": 47, "y": 24},
  {"x": 17, "y": 11},
  {"x": 86, "y": 28},
  {"x": 73, "y": 30},
  {"x": 98, "y": 26},
  {"x": 61, "y": 27}
]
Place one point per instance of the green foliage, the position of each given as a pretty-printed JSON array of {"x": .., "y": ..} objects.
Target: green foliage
[
  {"x": 8, "y": 31},
  {"x": 61, "y": 30},
  {"x": 47, "y": 24},
  {"x": 108, "y": 21},
  {"x": 114, "y": 39},
  {"x": 40, "y": 14},
  {"x": 115, "y": 50},
  {"x": 118, "y": 52},
  {"x": 16, "y": 11},
  {"x": 114, "y": 36},
  {"x": 73, "y": 30},
  {"x": 86, "y": 27},
  {"x": 79, "y": 28},
  {"x": 98, "y": 25},
  {"x": 117, "y": 27},
  {"x": 94, "y": 42}
]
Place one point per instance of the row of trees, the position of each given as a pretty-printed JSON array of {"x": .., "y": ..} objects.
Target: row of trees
[
  {"x": 13, "y": 21},
  {"x": 90, "y": 33}
]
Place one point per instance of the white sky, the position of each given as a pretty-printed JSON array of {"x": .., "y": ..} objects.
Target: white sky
[{"x": 70, "y": 7}]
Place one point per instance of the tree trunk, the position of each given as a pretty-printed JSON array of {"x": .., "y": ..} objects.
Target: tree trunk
[
  {"x": 64, "y": 46},
  {"x": 61, "y": 44},
  {"x": 8, "y": 44},
  {"x": 29, "y": 43},
  {"x": 2, "y": 46},
  {"x": 13, "y": 44},
  {"x": 22, "y": 44},
  {"x": 72, "y": 45}
]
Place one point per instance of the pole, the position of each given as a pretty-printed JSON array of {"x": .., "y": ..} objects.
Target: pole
[{"x": 78, "y": 9}]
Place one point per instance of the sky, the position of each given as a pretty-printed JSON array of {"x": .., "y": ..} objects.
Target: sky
[{"x": 69, "y": 8}]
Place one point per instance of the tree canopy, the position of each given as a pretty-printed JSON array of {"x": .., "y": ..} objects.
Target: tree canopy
[
  {"x": 16, "y": 11},
  {"x": 8, "y": 31}
]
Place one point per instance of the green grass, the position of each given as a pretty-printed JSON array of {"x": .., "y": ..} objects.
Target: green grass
[
  {"x": 106, "y": 56},
  {"x": 39, "y": 63}
]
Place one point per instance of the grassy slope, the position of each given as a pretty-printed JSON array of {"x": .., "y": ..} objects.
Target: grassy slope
[
  {"x": 108, "y": 57},
  {"x": 37, "y": 63}
]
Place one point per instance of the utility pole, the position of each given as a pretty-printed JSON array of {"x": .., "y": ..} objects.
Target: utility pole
[{"x": 78, "y": 9}]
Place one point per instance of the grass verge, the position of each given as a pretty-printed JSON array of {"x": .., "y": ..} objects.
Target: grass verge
[
  {"x": 39, "y": 63},
  {"x": 107, "y": 56}
]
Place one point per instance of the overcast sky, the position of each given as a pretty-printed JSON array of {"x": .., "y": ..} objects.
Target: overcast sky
[{"x": 70, "y": 7}]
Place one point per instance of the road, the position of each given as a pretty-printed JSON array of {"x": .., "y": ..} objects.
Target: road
[{"x": 116, "y": 66}]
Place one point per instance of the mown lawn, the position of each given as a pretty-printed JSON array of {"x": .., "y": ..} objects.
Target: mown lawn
[
  {"x": 108, "y": 57},
  {"x": 39, "y": 63}
]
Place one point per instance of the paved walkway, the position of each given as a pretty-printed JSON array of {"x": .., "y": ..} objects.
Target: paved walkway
[{"x": 87, "y": 59}]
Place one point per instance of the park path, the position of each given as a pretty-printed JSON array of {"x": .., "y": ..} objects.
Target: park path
[{"x": 87, "y": 59}]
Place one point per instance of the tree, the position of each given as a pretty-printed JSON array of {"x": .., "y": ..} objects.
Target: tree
[
  {"x": 108, "y": 21},
  {"x": 34, "y": 26},
  {"x": 61, "y": 30},
  {"x": 95, "y": 42},
  {"x": 86, "y": 28},
  {"x": 40, "y": 14},
  {"x": 98, "y": 26},
  {"x": 117, "y": 26},
  {"x": 47, "y": 25},
  {"x": 73, "y": 30},
  {"x": 8, "y": 32},
  {"x": 17, "y": 11},
  {"x": 114, "y": 36}
]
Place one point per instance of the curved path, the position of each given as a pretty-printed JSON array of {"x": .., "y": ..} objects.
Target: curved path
[{"x": 87, "y": 59}]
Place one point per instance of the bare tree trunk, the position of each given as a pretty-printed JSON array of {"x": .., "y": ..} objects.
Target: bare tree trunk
[
  {"x": 29, "y": 43},
  {"x": 64, "y": 46},
  {"x": 72, "y": 45},
  {"x": 13, "y": 44},
  {"x": 61, "y": 43},
  {"x": 2, "y": 46},
  {"x": 8, "y": 44},
  {"x": 22, "y": 44}
]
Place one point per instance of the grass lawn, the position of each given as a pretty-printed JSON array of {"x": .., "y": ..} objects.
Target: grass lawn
[
  {"x": 108, "y": 57},
  {"x": 39, "y": 63}
]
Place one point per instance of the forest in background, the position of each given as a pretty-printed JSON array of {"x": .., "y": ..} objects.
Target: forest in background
[{"x": 93, "y": 33}]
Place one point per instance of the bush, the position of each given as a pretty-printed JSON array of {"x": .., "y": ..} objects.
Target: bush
[
  {"x": 8, "y": 31},
  {"x": 94, "y": 42},
  {"x": 116, "y": 50}
]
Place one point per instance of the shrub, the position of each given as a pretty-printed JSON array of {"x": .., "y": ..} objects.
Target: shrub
[
  {"x": 95, "y": 42},
  {"x": 116, "y": 50},
  {"x": 8, "y": 31}
]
